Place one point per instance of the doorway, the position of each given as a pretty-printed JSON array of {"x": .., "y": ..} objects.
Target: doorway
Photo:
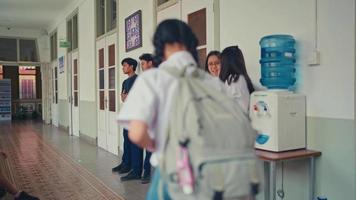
[{"x": 108, "y": 134}]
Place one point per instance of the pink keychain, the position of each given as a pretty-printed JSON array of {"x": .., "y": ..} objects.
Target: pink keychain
[{"x": 185, "y": 172}]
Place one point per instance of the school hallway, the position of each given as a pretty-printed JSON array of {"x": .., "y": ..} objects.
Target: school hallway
[{"x": 50, "y": 164}]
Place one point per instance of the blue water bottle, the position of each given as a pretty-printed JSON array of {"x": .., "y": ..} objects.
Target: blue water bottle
[{"x": 277, "y": 61}]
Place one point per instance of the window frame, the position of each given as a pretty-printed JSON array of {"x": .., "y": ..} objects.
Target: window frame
[
  {"x": 18, "y": 61},
  {"x": 164, "y": 5},
  {"x": 108, "y": 22},
  {"x": 74, "y": 35},
  {"x": 54, "y": 45}
]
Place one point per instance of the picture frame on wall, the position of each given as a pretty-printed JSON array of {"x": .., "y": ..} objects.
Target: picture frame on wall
[{"x": 133, "y": 31}]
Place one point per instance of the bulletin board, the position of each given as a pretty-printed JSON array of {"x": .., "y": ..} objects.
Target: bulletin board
[{"x": 133, "y": 31}]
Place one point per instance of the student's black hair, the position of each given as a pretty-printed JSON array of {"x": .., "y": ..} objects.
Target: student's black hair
[
  {"x": 130, "y": 61},
  {"x": 174, "y": 31},
  {"x": 146, "y": 57},
  {"x": 211, "y": 53},
  {"x": 233, "y": 65}
]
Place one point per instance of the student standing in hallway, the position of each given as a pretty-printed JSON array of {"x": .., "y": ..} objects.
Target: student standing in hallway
[
  {"x": 234, "y": 74},
  {"x": 133, "y": 155},
  {"x": 146, "y": 62}
]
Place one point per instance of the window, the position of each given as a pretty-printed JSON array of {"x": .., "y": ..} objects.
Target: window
[
  {"x": 27, "y": 79},
  {"x": 28, "y": 50},
  {"x": 197, "y": 21},
  {"x": 161, "y": 4},
  {"x": 106, "y": 16},
  {"x": 53, "y": 43},
  {"x": 18, "y": 50},
  {"x": 72, "y": 32},
  {"x": 8, "y": 49},
  {"x": 55, "y": 98},
  {"x": 111, "y": 15},
  {"x": 75, "y": 32}
]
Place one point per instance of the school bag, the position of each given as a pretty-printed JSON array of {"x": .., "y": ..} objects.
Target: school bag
[{"x": 209, "y": 149}]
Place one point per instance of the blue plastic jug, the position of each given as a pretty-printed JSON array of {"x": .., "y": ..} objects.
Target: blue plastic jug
[{"x": 277, "y": 61}]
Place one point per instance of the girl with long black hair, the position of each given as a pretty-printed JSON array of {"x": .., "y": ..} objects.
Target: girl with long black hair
[{"x": 234, "y": 74}]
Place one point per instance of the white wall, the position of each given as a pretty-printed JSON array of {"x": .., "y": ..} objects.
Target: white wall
[
  {"x": 329, "y": 87},
  {"x": 87, "y": 51},
  {"x": 126, "y": 8},
  {"x": 62, "y": 77},
  {"x": 40, "y": 35}
]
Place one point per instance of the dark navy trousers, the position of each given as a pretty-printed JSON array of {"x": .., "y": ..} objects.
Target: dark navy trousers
[{"x": 133, "y": 154}]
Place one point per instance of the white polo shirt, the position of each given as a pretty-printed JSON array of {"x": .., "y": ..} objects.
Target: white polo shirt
[{"x": 150, "y": 98}]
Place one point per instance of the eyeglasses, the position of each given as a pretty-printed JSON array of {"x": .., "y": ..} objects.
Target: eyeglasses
[{"x": 214, "y": 63}]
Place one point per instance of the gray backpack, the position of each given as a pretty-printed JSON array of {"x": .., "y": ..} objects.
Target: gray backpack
[{"x": 219, "y": 139}]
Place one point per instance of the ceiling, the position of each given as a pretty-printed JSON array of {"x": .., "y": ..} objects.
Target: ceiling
[{"x": 30, "y": 13}]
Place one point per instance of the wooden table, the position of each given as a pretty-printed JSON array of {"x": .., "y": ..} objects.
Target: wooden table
[{"x": 272, "y": 158}]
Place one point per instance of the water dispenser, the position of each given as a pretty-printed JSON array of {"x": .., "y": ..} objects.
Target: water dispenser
[{"x": 278, "y": 114}]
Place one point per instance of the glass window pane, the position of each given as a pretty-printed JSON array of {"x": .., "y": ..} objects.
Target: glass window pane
[
  {"x": 76, "y": 99},
  {"x": 101, "y": 100},
  {"x": 8, "y": 49},
  {"x": 101, "y": 58},
  {"x": 111, "y": 15},
  {"x": 101, "y": 79},
  {"x": 197, "y": 21},
  {"x": 75, "y": 67},
  {"x": 160, "y": 2},
  {"x": 55, "y": 43},
  {"x": 112, "y": 55},
  {"x": 112, "y": 103},
  {"x": 75, "y": 80},
  {"x": 100, "y": 17},
  {"x": 28, "y": 50},
  {"x": 69, "y": 34},
  {"x": 55, "y": 73},
  {"x": 51, "y": 48},
  {"x": 112, "y": 78},
  {"x": 75, "y": 32}
]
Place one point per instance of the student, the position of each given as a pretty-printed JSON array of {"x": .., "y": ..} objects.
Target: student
[
  {"x": 146, "y": 62},
  {"x": 234, "y": 74},
  {"x": 8, "y": 187},
  {"x": 212, "y": 63},
  {"x": 147, "y": 108},
  {"x": 133, "y": 155}
]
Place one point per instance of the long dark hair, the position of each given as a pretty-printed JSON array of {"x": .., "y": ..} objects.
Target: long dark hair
[
  {"x": 211, "y": 53},
  {"x": 233, "y": 65},
  {"x": 174, "y": 31}
]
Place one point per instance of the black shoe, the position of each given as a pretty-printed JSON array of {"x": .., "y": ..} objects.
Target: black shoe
[
  {"x": 124, "y": 169},
  {"x": 118, "y": 168},
  {"x": 146, "y": 178},
  {"x": 131, "y": 176},
  {"x": 25, "y": 196}
]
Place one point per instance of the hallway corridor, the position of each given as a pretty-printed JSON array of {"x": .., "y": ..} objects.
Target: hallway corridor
[{"x": 48, "y": 163}]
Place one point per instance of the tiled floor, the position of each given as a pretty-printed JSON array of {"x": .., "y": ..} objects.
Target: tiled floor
[{"x": 95, "y": 160}]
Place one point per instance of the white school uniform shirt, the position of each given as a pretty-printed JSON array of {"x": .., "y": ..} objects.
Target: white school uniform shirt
[
  {"x": 239, "y": 92},
  {"x": 150, "y": 99}
]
